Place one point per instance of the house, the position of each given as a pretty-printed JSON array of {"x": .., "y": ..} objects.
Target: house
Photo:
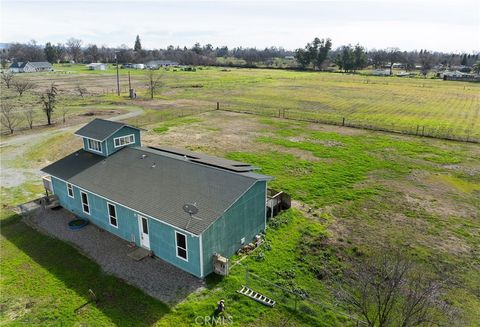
[
  {"x": 458, "y": 76},
  {"x": 381, "y": 72},
  {"x": 30, "y": 67},
  {"x": 189, "y": 209},
  {"x": 155, "y": 64},
  {"x": 138, "y": 66},
  {"x": 97, "y": 66}
]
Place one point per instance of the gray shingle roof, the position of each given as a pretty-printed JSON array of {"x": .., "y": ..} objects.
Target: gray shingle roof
[
  {"x": 40, "y": 64},
  {"x": 100, "y": 129},
  {"x": 160, "y": 184},
  {"x": 73, "y": 164}
]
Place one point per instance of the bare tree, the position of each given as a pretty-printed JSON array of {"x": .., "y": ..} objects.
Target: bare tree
[
  {"x": 28, "y": 113},
  {"x": 388, "y": 290},
  {"x": 49, "y": 100},
  {"x": 64, "y": 111},
  {"x": 22, "y": 86},
  {"x": 9, "y": 118},
  {"x": 80, "y": 90},
  {"x": 153, "y": 82},
  {"x": 426, "y": 61},
  {"x": 7, "y": 78},
  {"x": 393, "y": 55},
  {"x": 74, "y": 47}
]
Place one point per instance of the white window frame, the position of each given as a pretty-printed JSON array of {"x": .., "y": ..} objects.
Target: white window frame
[
  {"x": 123, "y": 138},
  {"x": 110, "y": 217},
  {"x": 83, "y": 204},
  {"x": 178, "y": 247},
  {"x": 93, "y": 149},
  {"x": 70, "y": 188}
]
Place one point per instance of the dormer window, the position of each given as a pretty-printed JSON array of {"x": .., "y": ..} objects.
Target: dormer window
[
  {"x": 94, "y": 145},
  {"x": 124, "y": 140}
]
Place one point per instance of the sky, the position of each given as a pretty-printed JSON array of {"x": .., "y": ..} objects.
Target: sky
[{"x": 450, "y": 26}]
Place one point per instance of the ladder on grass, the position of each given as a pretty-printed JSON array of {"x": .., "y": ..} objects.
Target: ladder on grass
[{"x": 256, "y": 296}]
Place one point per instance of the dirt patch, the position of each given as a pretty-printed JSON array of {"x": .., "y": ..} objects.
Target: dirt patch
[{"x": 233, "y": 132}]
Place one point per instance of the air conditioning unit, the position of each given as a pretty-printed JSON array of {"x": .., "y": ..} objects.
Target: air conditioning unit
[{"x": 220, "y": 265}]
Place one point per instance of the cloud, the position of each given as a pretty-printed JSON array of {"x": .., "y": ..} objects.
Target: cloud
[{"x": 435, "y": 25}]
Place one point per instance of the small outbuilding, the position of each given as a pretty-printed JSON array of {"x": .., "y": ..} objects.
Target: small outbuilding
[
  {"x": 97, "y": 66},
  {"x": 156, "y": 64}
]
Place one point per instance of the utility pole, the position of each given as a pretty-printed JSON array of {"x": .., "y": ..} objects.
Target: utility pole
[
  {"x": 118, "y": 81},
  {"x": 129, "y": 86}
]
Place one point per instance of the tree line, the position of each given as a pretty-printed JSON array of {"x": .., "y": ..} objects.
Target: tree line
[{"x": 316, "y": 55}]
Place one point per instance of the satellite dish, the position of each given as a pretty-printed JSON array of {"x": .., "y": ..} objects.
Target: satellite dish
[{"x": 190, "y": 208}]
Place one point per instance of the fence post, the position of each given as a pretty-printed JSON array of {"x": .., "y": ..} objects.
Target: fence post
[
  {"x": 416, "y": 133},
  {"x": 218, "y": 105},
  {"x": 343, "y": 121},
  {"x": 423, "y": 130}
]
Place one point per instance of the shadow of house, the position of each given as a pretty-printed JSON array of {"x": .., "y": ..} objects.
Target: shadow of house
[{"x": 123, "y": 304}]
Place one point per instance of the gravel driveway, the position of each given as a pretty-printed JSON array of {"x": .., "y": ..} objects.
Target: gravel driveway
[{"x": 155, "y": 277}]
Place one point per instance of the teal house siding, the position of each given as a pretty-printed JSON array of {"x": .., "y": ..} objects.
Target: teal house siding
[
  {"x": 86, "y": 148},
  {"x": 108, "y": 145},
  {"x": 162, "y": 243},
  {"x": 245, "y": 219},
  {"x": 162, "y": 236},
  {"x": 124, "y": 131}
]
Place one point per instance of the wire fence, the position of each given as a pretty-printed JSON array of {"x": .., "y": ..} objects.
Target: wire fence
[{"x": 439, "y": 132}]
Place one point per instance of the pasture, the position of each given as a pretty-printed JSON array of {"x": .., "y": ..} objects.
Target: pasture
[
  {"x": 355, "y": 192},
  {"x": 407, "y": 105}
]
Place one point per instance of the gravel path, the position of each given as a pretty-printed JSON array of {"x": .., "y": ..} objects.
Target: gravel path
[{"x": 153, "y": 276}]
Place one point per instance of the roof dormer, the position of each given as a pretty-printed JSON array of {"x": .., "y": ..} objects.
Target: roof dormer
[{"x": 105, "y": 137}]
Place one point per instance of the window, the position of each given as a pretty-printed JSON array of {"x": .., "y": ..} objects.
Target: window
[
  {"x": 112, "y": 214},
  {"x": 85, "y": 206},
  {"x": 181, "y": 244},
  {"x": 70, "y": 190},
  {"x": 124, "y": 140},
  {"x": 94, "y": 145}
]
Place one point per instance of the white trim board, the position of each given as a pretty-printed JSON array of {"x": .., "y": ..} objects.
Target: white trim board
[
  {"x": 108, "y": 214},
  {"x": 186, "y": 246}
]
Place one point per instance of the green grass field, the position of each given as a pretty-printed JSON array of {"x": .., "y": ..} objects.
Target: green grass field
[
  {"x": 363, "y": 191},
  {"x": 354, "y": 191},
  {"x": 413, "y": 105}
]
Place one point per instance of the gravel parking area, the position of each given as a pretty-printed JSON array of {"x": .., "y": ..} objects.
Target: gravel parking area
[{"x": 155, "y": 277}]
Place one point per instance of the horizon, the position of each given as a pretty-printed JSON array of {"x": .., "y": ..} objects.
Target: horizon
[{"x": 448, "y": 27}]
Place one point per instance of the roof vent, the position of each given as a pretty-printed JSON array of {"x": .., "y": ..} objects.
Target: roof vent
[
  {"x": 154, "y": 165},
  {"x": 143, "y": 156},
  {"x": 185, "y": 157},
  {"x": 76, "y": 154}
]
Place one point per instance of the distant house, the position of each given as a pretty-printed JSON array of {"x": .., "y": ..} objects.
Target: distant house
[
  {"x": 155, "y": 64},
  {"x": 97, "y": 66},
  {"x": 138, "y": 66},
  {"x": 381, "y": 72},
  {"x": 458, "y": 76},
  {"x": 189, "y": 209},
  {"x": 30, "y": 67}
]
